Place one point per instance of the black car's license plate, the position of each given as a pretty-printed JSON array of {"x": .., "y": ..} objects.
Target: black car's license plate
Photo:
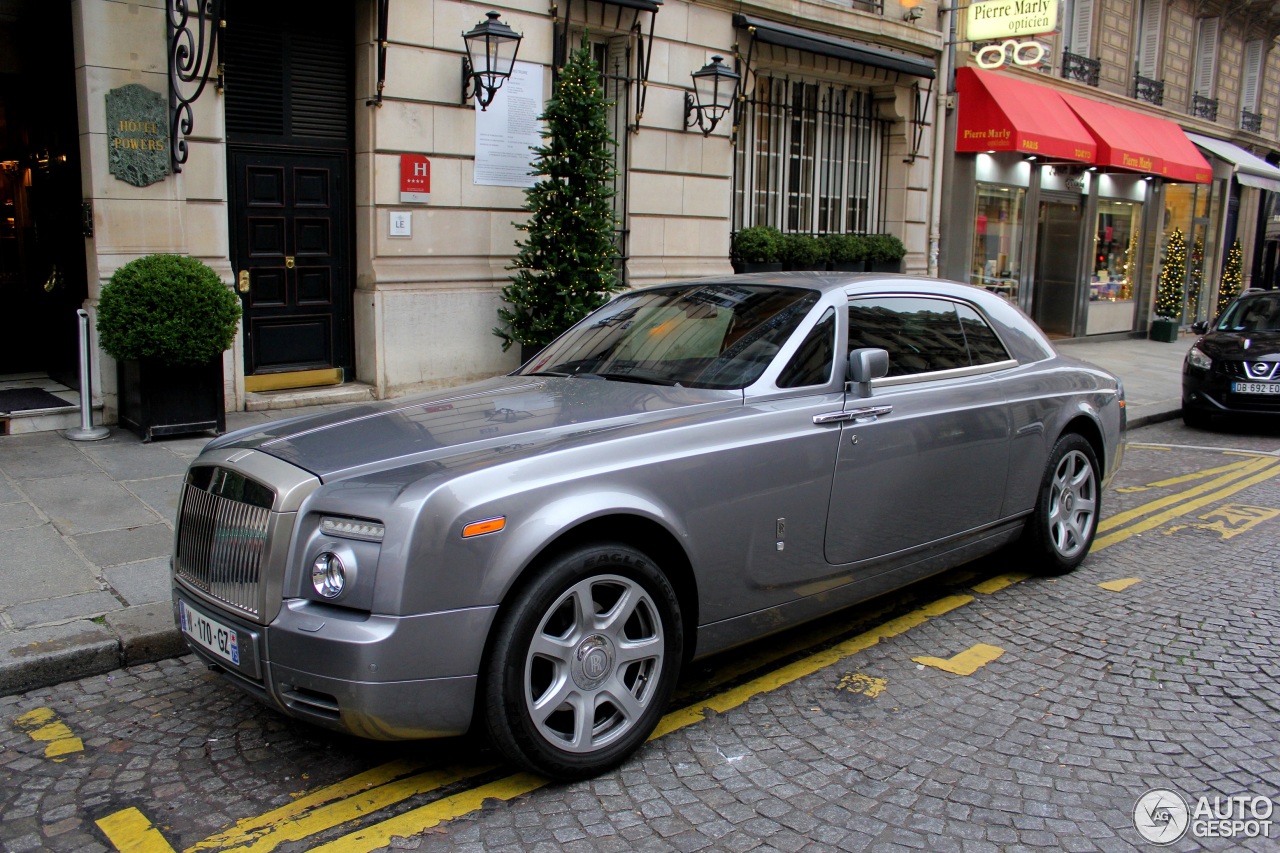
[{"x": 1255, "y": 387}]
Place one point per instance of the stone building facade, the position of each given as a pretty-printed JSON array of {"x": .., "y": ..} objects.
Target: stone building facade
[{"x": 291, "y": 183}]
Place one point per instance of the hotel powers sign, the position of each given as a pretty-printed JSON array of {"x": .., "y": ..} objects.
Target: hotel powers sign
[{"x": 997, "y": 19}]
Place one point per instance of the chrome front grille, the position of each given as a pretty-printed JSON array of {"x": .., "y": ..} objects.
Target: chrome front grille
[{"x": 220, "y": 546}]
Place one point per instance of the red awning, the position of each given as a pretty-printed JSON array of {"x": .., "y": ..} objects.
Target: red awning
[
  {"x": 1002, "y": 113},
  {"x": 1139, "y": 142}
]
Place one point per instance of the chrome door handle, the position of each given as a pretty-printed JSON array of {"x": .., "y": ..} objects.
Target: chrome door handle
[{"x": 852, "y": 415}]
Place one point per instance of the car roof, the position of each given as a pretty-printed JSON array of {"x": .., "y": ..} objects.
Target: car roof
[{"x": 826, "y": 282}]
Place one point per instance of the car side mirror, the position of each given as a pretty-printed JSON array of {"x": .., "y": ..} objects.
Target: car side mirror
[
  {"x": 865, "y": 364},
  {"x": 1200, "y": 327}
]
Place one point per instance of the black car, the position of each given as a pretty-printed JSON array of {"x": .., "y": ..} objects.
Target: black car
[{"x": 1234, "y": 368}]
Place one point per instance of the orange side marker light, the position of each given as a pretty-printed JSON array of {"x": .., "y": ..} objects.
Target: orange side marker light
[{"x": 488, "y": 525}]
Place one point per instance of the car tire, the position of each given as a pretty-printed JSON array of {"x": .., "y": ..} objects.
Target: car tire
[
  {"x": 583, "y": 662},
  {"x": 1062, "y": 526},
  {"x": 1195, "y": 418}
]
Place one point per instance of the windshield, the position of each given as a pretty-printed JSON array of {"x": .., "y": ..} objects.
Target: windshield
[
  {"x": 696, "y": 336},
  {"x": 1253, "y": 314}
]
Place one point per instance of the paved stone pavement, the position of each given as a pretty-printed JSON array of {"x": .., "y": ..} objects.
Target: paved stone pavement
[
  {"x": 86, "y": 530},
  {"x": 1099, "y": 695}
]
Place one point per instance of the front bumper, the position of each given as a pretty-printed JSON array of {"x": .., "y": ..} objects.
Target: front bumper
[
  {"x": 379, "y": 677},
  {"x": 1210, "y": 392}
]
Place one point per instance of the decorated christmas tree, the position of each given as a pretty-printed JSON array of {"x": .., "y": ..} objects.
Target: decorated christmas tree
[
  {"x": 1173, "y": 272},
  {"x": 1195, "y": 280},
  {"x": 565, "y": 265},
  {"x": 1229, "y": 287}
]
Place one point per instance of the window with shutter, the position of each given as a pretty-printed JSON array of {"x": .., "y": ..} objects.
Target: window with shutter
[
  {"x": 1206, "y": 57},
  {"x": 1254, "y": 50},
  {"x": 1080, "y": 31},
  {"x": 1152, "y": 22}
]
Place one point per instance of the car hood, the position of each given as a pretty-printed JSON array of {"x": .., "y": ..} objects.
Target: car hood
[
  {"x": 486, "y": 414},
  {"x": 1241, "y": 345}
]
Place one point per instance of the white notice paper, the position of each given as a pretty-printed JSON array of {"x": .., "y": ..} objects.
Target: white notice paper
[{"x": 508, "y": 130}]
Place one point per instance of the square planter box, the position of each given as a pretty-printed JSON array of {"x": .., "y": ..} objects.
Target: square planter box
[
  {"x": 158, "y": 399},
  {"x": 757, "y": 266},
  {"x": 1164, "y": 330},
  {"x": 884, "y": 266}
]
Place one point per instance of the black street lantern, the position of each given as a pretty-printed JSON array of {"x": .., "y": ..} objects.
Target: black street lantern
[
  {"x": 491, "y": 53},
  {"x": 713, "y": 87}
]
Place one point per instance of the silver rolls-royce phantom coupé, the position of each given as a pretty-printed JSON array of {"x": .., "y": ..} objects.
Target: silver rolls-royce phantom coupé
[{"x": 691, "y": 467}]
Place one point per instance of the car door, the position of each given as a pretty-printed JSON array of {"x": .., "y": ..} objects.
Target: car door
[{"x": 927, "y": 460}]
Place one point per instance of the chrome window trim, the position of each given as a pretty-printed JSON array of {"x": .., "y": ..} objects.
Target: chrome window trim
[{"x": 953, "y": 373}]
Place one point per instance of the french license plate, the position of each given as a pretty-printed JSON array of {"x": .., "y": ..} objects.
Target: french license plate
[
  {"x": 210, "y": 633},
  {"x": 1255, "y": 387}
]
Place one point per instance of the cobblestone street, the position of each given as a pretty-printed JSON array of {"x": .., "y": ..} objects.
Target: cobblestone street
[{"x": 982, "y": 710}]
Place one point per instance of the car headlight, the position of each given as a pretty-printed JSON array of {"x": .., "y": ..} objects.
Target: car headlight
[
  {"x": 1197, "y": 359},
  {"x": 329, "y": 575},
  {"x": 352, "y": 528}
]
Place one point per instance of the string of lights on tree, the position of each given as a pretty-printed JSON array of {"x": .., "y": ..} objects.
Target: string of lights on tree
[
  {"x": 1232, "y": 278},
  {"x": 1196, "y": 279},
  {"x": 565, "y": 264},
  {"x": 1173, "y": 273}
]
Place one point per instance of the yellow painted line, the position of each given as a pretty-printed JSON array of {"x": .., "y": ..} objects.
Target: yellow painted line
[
  {"x": 866, "y": 685},
  {"x": 999, "y": 582},
  {"x": 1185, "y": 509},
  {"x": 129, "y": 831},
  {"x": 324, "y": 811},
  {"x": 1248, "y": 468},
  {"x": 967, "y": 662},
  {"x": 1119, "y": 585},
  {"x": 43, "y": 725},
  {"x": 1186, "y": 478},
  {"x": 432, "y": 814},
  {"x": 415, "y": 821}
]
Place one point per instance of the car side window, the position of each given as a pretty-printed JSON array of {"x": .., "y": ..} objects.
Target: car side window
[
  {"x": 921, "y": 335},
  {"x": 811, "y": 364},
  {"x": 983, "y": 342}
]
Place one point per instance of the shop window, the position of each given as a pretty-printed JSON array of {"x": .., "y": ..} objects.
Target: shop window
[
  {"x": 1115, "y": 267},
  {"x": 997, "y": 239},
  {"x": 809, "y": 158}
]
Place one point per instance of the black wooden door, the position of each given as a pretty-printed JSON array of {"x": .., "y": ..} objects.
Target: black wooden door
[{"x": 291, "y": 250}]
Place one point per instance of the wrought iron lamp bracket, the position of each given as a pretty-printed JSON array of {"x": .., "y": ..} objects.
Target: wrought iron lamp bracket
[
  {"x": 194, "y": 29},
  {"x": 383, "y": 13}
]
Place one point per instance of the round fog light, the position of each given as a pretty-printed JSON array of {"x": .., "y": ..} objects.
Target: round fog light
[{"x": 328, "y": 575}]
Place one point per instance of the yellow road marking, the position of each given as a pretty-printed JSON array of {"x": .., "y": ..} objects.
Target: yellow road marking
[
  {"x": 1230, "y": 520},
  {"x": 999, "y": 582},
  {"x": 129, "y": 831},
  {"x": 1247, "y": 468},
  {"x": 330, "y": 807},
  {"x": 1185, "y": 478},
  {"x": 1185, "y": 509},
  {"x": 432, "y": 814},
  {"x": 967, "y": 662},
  {"x": 43, "y": 725},
  {"x": 867, "y": 685},
  {"x": 1119, "y": 585}
]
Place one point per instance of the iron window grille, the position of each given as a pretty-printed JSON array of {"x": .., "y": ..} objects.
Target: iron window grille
[
  {"x": 810, "y": 158},
  {"x": 1203, "y": 107},
  {"x": 1146, "y": 89},
  {"x": 1081, "y": 69},
  {"x": 1250, "y": 121},
  {"x": 614, "y": 62}
]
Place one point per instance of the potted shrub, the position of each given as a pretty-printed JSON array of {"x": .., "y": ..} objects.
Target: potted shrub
[
  {"x": 804, "y": 252},
  {"x": 846, "y": 252},
  {"x": 166, "y": 320},
  {"x": 1169, "y": 289},
  {"x": 756, "y": 249},
  {"x": 885, "y": 253}
]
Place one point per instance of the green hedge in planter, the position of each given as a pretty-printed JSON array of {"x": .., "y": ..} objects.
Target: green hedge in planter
[
  {"x": 884, "y": 249},
  {"x": 804, "y": 252},
  {"x": 169, "y": 308},
  {"x": 758, "y": 244},
  {"x": 846, "y": 252}
]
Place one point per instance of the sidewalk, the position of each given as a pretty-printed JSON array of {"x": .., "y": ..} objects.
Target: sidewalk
[{"x": 86, "y": 529}]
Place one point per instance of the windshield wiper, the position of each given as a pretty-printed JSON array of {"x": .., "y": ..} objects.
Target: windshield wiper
[{"x": 645, "y": 380}]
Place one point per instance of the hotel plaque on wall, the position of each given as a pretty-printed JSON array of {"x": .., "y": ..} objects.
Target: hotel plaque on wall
[{"x": 137, "y": 135}]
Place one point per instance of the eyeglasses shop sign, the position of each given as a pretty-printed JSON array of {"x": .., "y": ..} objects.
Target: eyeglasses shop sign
[{"x": 997, "y": 19}]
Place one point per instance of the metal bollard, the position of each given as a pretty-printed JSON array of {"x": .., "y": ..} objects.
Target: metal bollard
[{"x": 86, "y": 431}]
